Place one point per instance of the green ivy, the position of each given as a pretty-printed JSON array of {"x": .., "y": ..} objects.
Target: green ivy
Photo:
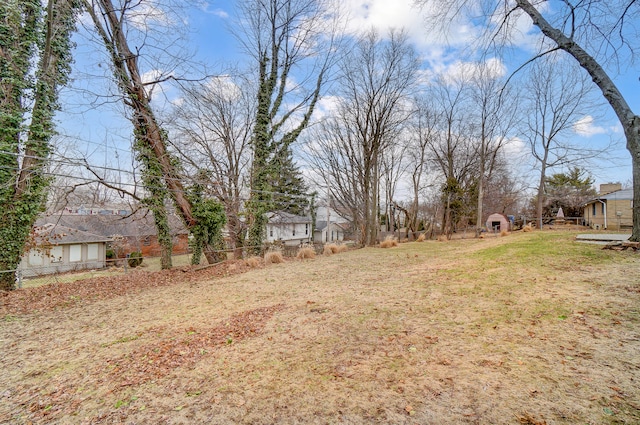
[
  {"x": 29, "y": 34},
  {"x": 211, "y": 219}
]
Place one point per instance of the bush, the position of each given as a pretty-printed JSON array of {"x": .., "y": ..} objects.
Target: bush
[
  {"x": 135, "y": 259},
  {"x": 273, "y": 257},
  {"x": 389, "y": 242},
  {"x": 253, "y": 262},
  {"x": 110, "y": 254},
  {"x": 306, "y": 252}
]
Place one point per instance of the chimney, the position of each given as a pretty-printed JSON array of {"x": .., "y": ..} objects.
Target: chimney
[{"x": 609, "y": 187}]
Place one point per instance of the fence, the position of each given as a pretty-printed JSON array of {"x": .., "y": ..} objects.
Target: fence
[{"x": 37, "y": 276}]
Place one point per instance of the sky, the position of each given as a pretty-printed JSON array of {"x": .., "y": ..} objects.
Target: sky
[{"x": 92, "y": 124}]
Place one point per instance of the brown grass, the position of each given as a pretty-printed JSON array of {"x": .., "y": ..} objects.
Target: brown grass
[
  {"x": 425, "y": 333},
  {"x": 306, "y": 252},
  {"x": 273, "y": 257},
  {"x": 442, "y": 238},
  {"x": 422, "y": 237},
  {"x": 253, "y": 262},
  {"x": 527, "y": 228},
  {"x": 332, "y": 248},
  {"x": 504, "y": 233},
  {"x": 389, "y": 242}
]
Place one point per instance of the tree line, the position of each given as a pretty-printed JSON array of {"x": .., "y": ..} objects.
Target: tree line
[{"x": 251, "y": 139}]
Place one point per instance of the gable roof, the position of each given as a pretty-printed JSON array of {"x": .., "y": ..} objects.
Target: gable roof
[{"x": 283, "y": 217}]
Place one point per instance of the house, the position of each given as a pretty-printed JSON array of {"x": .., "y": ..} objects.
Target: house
[
  {"x": 329, "y": 231},
  {"x": 612, "y": 209},
  {"x": 59, "y": 249},
  {"x": 288, "y": 228},
  {"x": 497, "y": 222},
  {"x": 129, "y": 233},
  {"x": 330, "y": 226}
]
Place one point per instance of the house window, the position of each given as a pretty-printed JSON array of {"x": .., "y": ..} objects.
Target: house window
[
  {"x": 75, "y": 253},
  {"x": 35, "y": 258},
  {"x": 593, "y": 210},
  {"x": 55, "y": 254},
  {"x": 306, "y": 229},
  {"x": 92, "y": 251}
]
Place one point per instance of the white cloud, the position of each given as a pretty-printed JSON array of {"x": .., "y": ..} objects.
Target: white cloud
[
  {"x": 585, "y": 127},
  {"x": 146, "y": 15},
  {"x": 402, "y": 14},
  {"x": 220, "y": 13}
]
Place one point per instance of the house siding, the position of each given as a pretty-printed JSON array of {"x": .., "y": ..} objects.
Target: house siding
[
  {"x": 50, "y": 262},
  {"x": 618, "y": 214}
]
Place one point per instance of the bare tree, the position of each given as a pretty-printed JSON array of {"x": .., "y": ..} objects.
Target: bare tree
[
  {"x": 212, "y": 129},
  {"x": 116, "y": 24},
  {"x": 495, "y": 111},
  {"x": 452, "y": 149},
  {"x": 598, "y": 35},
  {"x": 374, "y": 87},
  {"x": 554, "y": 102},
  {"x": 292, "y": 44},
  {"x": 423, "y": 129}
]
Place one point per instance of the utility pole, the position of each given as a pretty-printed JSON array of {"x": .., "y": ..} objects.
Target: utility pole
[{"x": 329, "y": 216}]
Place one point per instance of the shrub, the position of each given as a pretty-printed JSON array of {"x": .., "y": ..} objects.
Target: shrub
[
  {"x": 253, "y": 262},
  {"x": 421, "y": 238},
  {"x": 273, "y": 257},
  {"x": 110, "y": 254},
  {"x": 306, "y": 252},
  {"x": 330, "y": 248},
  {"x": 135, "y": 259},
  {"x": 341, "y": 248},
  {"x": 389, "y": 242}
]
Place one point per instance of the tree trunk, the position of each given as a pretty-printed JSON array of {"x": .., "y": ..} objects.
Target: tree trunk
[{"x": 630, "y": 122}]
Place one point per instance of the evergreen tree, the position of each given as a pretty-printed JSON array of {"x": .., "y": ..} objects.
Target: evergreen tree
[
  {"x": 290, "y": 189},
  {"x": 570, "y": 191}
]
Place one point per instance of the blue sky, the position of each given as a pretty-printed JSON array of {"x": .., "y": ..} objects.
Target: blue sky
[{"x": 97, "y": 128}]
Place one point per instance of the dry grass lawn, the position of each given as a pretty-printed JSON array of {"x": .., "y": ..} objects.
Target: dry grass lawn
[{"x": 533, "y": 328}]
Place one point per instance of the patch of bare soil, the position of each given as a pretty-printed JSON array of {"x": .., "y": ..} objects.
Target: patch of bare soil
[{"x": 523, "y": 329}]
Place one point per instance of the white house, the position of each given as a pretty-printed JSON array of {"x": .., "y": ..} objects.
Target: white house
[
  {"x": 330, "y": 226},
  {"x": 288, "y": 228},
  {"x": 61, "y": 249}
]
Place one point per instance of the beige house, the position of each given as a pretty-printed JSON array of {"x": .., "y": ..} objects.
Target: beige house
[
  {"x": 611, "y": 210},
  {"x": 62, "y": 249}
]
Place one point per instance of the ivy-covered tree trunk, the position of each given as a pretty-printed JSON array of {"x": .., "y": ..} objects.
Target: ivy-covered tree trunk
[
  {"x": 110, "y": 23},
  {"x": 155, "y": 200},
  {"x": 27, "y": 30}
]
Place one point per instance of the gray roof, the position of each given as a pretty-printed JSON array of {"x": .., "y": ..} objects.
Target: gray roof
[
  {"x": 623, "y": 194},
  {"x": 62, "y": 235},
  {"x": 280, "y": 217},
  {"x": 137, "y": 224}
]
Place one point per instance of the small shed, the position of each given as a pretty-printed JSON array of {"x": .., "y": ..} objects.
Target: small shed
[{"x": 497, "y": 222}]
